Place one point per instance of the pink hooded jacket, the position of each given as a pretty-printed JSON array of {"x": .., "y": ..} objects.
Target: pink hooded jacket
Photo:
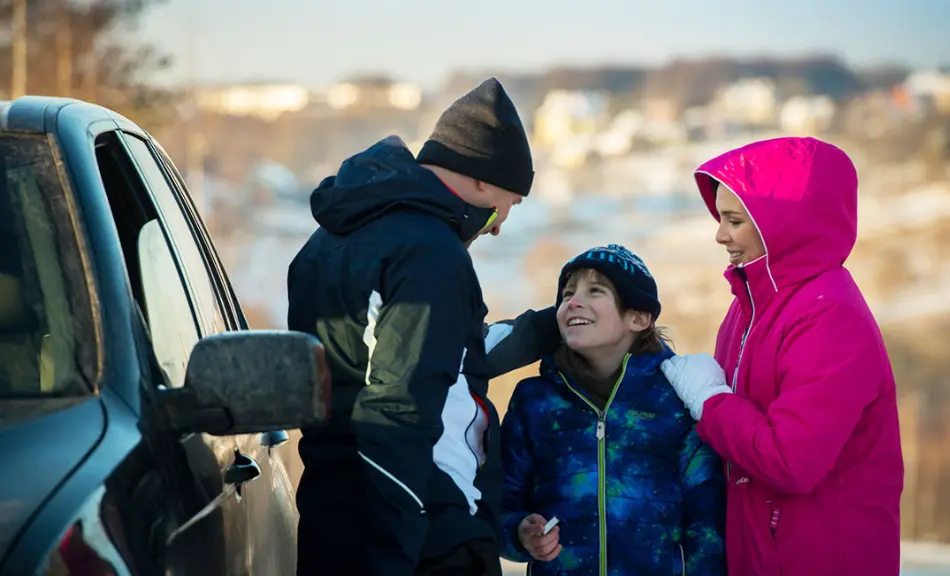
[{"x": 810, "y": 438}]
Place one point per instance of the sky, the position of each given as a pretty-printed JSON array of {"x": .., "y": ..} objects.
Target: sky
[{"x": 317, "y": 42}]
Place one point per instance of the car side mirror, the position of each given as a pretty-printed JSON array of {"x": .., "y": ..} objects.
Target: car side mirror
[{"x": 251, "y": 381}]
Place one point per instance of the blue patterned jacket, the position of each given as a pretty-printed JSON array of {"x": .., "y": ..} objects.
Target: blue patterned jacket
[{"x": 636, "y": 491}]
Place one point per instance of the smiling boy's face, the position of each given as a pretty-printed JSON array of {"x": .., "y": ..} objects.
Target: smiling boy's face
[{"x": 590, "y": 318}]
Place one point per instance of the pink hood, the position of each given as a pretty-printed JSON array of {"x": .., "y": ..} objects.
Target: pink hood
[{"x": 802, "y": 195}]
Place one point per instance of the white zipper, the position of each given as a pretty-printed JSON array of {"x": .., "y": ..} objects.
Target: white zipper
[
  {"x": 397, "y": 481},
  {"x": 745, "y": 335},
  {"x": 683, "y": 560}
]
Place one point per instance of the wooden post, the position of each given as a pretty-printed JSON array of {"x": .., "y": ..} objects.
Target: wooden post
[
  {"x": 942, "y": 523},
  {"x": 64, "y": 51},
  {"x": 18, "y": 49},
  {"x": 909, "y": 409}
]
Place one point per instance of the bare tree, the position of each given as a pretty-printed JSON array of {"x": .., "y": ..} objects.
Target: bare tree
[{"x": 83, "y": 49}]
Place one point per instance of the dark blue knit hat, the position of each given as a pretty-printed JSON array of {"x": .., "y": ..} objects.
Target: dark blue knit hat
[{"x": 630, "y": 276}]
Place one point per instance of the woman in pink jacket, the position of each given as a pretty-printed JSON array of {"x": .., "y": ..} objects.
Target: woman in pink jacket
[{"x": 805, "y": 415}]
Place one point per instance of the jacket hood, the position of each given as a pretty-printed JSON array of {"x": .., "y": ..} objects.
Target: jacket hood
[
  {"x": 386, "y": 177},
  {"x": 802, "y": 196}
]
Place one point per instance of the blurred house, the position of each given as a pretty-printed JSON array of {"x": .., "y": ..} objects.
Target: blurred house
[
  {"x": 750, "y": 101},
  {"x": 662, "y": 122},
  {"x": 572, "y": 151},
  {"x": 700, "y": 124},
  {"x": 877, "y": 114},
  {"x": 371, "y": 93},
  {"x": 566, "y": 123},
  {"x": 660, "y": 110},
  {"x": 567, "y": 114},
  {"x": 665, "y": 133},
  {"x": 266, "y": 101},
  {"x": 930, "y": 88},
  {"x": 617, "y": 138},
  {"x": 806, "y": 115}
]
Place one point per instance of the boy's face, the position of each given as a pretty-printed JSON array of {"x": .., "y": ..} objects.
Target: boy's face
[{"x": 589, "y": 316}]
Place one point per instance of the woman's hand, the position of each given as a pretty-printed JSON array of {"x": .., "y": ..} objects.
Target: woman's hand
[
  {"x": 541, "y": 546},
  {"x": 695, "y": 378}
]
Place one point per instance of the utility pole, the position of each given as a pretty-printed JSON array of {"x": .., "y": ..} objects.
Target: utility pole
[
  {"x": 18, "y": 86},
  {"x": 64, "y": 51},
  {"x": 194, "y": 130},
  {"x": 91, "y": 73}
]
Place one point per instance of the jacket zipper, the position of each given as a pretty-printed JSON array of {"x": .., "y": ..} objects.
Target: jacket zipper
[
  {"x": 601, "y": 460},
  {"x": 745, "y": 336},
  {"x": 776, "y": 513}
]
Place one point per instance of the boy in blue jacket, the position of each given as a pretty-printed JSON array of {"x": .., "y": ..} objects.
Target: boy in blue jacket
[{"x": 601, "y": 442}]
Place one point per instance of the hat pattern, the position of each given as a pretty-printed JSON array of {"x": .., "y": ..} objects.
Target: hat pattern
[{"x": 629, "y": 274}]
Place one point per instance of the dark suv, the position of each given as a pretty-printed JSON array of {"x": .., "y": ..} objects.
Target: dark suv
[{"x": 138, "y": 415}]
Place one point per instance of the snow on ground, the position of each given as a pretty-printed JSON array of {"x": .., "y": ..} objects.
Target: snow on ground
[{"x": 918, "y": 559}]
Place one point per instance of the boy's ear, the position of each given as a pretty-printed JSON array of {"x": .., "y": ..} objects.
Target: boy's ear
[{"x": 639, "y": 321}]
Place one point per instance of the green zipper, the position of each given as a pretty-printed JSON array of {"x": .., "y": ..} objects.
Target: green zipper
[{"x": 601, "y": 460}]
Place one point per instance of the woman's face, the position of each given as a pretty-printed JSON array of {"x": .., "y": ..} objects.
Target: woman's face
[{"x": 737, "y": 233}]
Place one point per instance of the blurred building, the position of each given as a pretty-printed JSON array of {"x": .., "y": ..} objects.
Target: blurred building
[
  {"x": 662, "y": 122},
  {"x": 661, "y": 110},
  {"x": 371, "y": 93},
  {"x": 878, "y": 114},
  {"x": 617, "y": 139},
  {"x": 805, "y": 115},
  {"x": 567, "y": 114},
  {"x": 266, "y": 101},
  {"x": 750, "y": 101},
  {"x": 930, "y": 88}
]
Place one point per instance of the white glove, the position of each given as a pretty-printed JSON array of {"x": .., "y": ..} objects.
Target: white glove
[{"x": 695, "y": 378}]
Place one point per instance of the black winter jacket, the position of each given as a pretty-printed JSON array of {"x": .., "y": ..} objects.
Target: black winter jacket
[{"x": 408, "y": 466}]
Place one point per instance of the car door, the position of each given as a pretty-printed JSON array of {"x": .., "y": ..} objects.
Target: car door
[
  {"x": 189, "y": 294},
  {"x": 268, "y": 513},
  {"x": 272, "y": 505}
]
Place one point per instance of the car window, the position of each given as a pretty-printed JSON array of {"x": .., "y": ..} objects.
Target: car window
[
  {"x": 43, "y": 321},
  {"x": 169, "y": 312},
  {"x": 228, "y": 298},
  {"x": 156, "y": 276},
  {"x": 208, "y": 311}
]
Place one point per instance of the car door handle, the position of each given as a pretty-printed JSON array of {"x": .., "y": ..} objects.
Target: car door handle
[
  {"x": 241, "y": 471},
  {"x": 274, "y": 438}
]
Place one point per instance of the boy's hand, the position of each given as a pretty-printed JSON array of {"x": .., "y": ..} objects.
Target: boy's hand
[{"x": 543, "y": 547}]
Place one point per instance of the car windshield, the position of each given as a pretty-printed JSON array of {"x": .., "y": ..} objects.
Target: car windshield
[{"x": 39, "y": 326}]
